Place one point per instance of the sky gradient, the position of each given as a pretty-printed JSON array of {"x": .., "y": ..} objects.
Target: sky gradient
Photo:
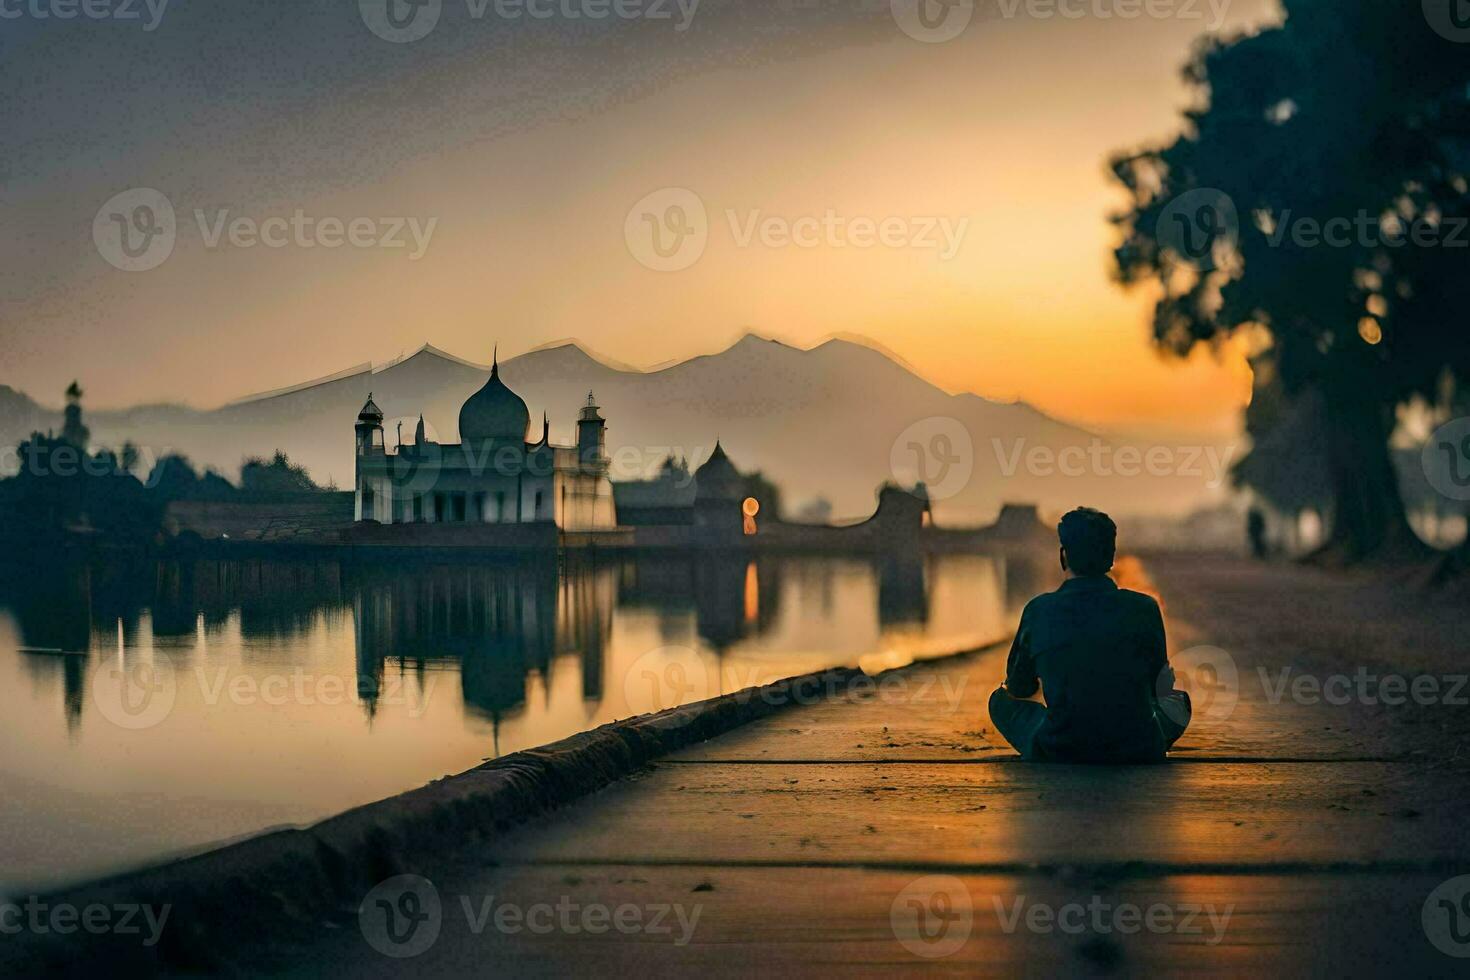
[{"x": 518, "y": 150}]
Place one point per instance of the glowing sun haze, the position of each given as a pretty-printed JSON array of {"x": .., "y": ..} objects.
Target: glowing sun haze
[{"x": 528, "y": 151}]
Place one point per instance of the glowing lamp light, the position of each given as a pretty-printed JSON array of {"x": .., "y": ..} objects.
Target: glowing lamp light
[{"x": 750, "y": 508}]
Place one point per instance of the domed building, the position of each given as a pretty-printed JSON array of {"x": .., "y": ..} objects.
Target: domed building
[{"x": 493, "y": 475}]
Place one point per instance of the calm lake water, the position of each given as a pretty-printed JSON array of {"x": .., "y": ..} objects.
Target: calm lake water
[{"x": 147, "y": 711}]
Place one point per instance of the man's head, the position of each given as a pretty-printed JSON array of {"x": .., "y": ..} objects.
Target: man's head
[{"x": 1089, "y": 539}]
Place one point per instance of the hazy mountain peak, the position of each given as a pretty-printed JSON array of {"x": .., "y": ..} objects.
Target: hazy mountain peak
[
  {"x": 429, "y": 351},
  {"x": 572, "y": 353},
  {"x": 751, "y": 340}
]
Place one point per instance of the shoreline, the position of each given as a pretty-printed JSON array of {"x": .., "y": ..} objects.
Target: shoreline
[{"x": 254, "y": 888}]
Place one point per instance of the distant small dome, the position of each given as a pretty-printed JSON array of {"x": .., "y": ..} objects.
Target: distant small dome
[
  {"x": 717, "y": 478},
  {"x": 494, "y": 413}
]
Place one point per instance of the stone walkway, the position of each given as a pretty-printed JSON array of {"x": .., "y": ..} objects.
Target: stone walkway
[{"x": 886, "y": 828}]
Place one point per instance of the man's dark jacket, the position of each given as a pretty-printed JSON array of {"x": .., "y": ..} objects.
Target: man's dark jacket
[{"x": 1099, "y": 654}]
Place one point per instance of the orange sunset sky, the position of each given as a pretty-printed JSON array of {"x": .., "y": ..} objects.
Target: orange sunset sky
[{"x": 528, "y": 158}]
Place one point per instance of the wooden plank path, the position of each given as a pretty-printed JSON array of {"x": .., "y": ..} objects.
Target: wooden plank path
[{"x": 887, "y": 829}]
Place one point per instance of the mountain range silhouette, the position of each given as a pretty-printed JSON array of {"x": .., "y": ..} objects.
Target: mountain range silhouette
[{"x": 820, "y": 422}]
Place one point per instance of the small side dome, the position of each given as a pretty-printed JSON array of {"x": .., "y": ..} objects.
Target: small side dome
[{"x": 494, "y": 413}]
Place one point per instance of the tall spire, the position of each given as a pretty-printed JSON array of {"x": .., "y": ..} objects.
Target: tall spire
[{"x": 495, "y": 362}]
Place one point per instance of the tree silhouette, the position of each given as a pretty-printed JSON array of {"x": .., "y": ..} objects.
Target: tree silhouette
[
  {"x": 278, "y": 475},
  {"x": 1353, "y": 112}
]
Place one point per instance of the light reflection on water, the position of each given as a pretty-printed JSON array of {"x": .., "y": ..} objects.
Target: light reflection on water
[{"x": 149, "y": 710}]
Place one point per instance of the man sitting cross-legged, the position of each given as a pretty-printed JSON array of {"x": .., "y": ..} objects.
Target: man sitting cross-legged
[{"x": 1098, "y": 654}]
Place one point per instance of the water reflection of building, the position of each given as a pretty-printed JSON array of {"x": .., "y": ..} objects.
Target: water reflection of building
[
  {"x": 731, "y": 598},
  {"x": 65, "y": 610},
  {"x": 903, "y": 590},
  {"x": 493, "y": 623},
  {"x": 271, "y": 598},
  {"x": 1028, "y": 574}
]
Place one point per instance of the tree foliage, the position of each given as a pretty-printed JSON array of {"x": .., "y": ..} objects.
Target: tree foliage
[{"x": 1354, "y": 113}]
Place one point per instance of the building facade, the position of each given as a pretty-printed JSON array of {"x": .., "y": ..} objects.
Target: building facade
[{"x": 492, "y": 476}]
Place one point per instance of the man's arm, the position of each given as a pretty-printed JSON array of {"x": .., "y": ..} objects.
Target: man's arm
[
  {"x": 1021, "y": 680},
  {"x": 1156, "y": 650}
]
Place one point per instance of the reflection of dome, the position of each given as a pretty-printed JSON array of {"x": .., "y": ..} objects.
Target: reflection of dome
[
  {"x": 494, "y": 412},
  {"x": 718, "y": 479}
]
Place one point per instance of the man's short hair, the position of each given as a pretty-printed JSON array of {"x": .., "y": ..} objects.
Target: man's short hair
[{"x": 1090, "y": 539}]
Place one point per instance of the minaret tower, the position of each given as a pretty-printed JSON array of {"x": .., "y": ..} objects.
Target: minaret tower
[
  {"x": 591, "y": 434},
  {"x": 369, "y": 428}
]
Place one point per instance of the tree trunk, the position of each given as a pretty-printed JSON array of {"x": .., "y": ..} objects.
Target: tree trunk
[{"x": 1369, "y": 521}]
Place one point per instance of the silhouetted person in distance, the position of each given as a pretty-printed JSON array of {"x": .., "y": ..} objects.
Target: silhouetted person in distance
[
  {"x": 1097, "y": 654},
  {"x": 1255, "y": 529}
]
